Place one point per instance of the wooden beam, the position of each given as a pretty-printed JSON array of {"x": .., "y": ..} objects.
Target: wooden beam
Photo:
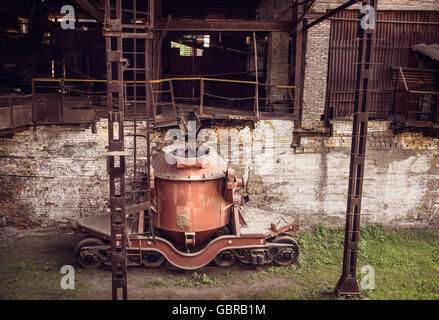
[
  {"x": 222, "y": 25},
  {"x": 90, "y": 9}
]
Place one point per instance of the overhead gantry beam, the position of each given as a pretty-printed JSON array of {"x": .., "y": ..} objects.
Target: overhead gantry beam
[
  {"x": 203, "y": 25},
  {"x": 16, "y": 12},
  {"x": 90, "y": 9},
  {"x": 331, "y": 13}
]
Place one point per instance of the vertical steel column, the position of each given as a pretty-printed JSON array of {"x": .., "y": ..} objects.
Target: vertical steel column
[
  {"x": 135, "y": 89},
  {"x": 116, "y": 155},
  {"x": 11, "y": 111},
  {"x": 298, "y": 70},
  {"x": 149, "y": 98},
  {"x": 156, "y": 15},
  {"x": 34, "y": 105},
  {"x": 257, "y": 76},
  {"x": 347, "y": 285},
  {"x": 61, "y": 107}
]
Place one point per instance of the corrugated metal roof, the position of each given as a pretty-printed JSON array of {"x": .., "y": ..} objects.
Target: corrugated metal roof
[{"x": 431, "y": 50}]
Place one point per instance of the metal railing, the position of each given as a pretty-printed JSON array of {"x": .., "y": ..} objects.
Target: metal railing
[
  {"x": 79, "y": 101},
  {"x": 53, "y": 101},
  {"x": 221, "y": 98},
  {"x": 412, "y": 104},
  {"x": 16, "y": 111}
]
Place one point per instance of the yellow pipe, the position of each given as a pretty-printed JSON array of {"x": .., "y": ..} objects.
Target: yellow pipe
[
  {"x": 172, "y": 79},
  {"x": 156, "y": 81},
  {"x": 80, "y": 80},
  {"x": 286, "y": 87},
  {"x": 233, "y": 81}
]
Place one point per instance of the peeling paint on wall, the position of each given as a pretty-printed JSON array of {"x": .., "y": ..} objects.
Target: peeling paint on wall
[{"x": 55, "y": 175}]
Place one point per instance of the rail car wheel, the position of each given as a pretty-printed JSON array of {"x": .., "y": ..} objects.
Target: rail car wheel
[
  {"x": 290, "y": 254},
  {"x": 153, "y": 259},
  {"x": 224, "y": 231},
  {"x": 225, "y": 259},
  {"x": 88, "y": 258}
]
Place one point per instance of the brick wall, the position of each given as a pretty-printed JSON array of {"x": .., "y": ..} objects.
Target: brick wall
[
  {"x": 316, "y": 66},
  {"x": 401, "y": 178},
  {"x": 278, "y": 70},
  {"x": 52, "y": 174},
  {"x": 278, "y": 55},
  {"x": 58, "y": 174}
]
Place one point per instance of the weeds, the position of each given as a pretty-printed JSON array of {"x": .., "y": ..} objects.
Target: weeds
[
  {"x": 185, "y": 283},
  {"x": 156, "y": 283},
  {"x": 204, "y": 278},
  {"x": 227, "y": 273}
]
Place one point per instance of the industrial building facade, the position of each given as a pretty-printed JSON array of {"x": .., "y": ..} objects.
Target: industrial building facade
[{"x": 245, "y": 72}]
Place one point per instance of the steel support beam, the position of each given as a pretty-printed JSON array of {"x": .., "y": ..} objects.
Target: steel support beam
[
  {"x": 203, "y": 25},
  {"x": 347, "y": 284},
  {"x": 18, "y": 13},
  {"x": 90, "y": 9},
  {"x": 304, "y": 14},
  {"x": 155, "y": 12},
  {"x": 298, "y": 71},
  {"x": 150, "y": 49},
  {"x": 116, "y": 155},
  {"x": 331, "y": 13}
]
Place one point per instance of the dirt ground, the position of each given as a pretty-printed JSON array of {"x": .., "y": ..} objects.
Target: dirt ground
[{"x": 30, "y": 269}]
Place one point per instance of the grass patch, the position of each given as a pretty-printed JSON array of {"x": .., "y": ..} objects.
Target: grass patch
[
  {"x": 158, "y": 283},
  {"x": 405, "y": 262}
]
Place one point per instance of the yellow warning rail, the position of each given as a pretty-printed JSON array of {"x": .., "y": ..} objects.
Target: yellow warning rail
[
  {"x": 162, "y": 80},
  {"x": 167, "y": 97}
]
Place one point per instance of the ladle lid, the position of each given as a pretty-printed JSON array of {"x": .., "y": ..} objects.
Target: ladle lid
[{"x": 209, "y": 166}]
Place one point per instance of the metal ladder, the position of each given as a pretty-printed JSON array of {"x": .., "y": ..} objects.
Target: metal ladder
[{"x": 127, "y": 29}]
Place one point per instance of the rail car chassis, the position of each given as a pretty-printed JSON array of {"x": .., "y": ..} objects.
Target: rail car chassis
[{"x": 277, "y": 245}]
